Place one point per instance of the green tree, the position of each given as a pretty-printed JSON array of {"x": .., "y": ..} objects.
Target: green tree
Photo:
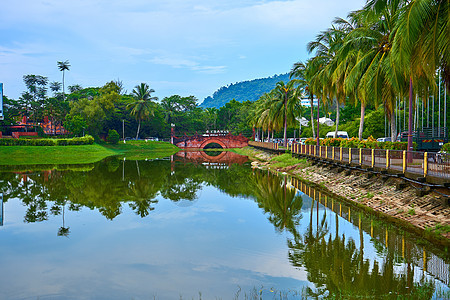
[{"x": 143, "y": 105}]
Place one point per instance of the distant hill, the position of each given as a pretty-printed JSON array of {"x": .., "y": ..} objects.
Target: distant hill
[{"x": 242, "y": 91}]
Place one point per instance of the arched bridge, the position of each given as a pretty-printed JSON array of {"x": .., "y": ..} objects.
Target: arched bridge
[{"x": 199, "y": 141}]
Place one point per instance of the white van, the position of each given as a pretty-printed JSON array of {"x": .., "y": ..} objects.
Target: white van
[{"x": 340, "y": 134}]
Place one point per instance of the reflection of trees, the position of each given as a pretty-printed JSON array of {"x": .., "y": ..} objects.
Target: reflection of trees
[
  {"x": 278, "y": 200},
  {"x": 110, "y": 184},
  {"x": 338, "y": 269}
]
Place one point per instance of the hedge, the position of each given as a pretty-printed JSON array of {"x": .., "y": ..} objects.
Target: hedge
[
  {"x": 85, "y": 140},
  {"x": 353, "y": 142}
]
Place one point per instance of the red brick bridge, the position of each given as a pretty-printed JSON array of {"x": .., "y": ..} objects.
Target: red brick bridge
[{"x": 199, "y": 141}]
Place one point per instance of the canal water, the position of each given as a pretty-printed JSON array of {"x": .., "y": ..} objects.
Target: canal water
[{"x": 198, "y": 225}]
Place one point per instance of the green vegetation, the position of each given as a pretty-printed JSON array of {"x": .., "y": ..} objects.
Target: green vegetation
[
  {"x": 113, "y": 137},
  {"x": 143, "y": 149},
  {"x": 19, "y": 155},
  {"x": 369, "y": 143},
  {"x": 412, "y": 211},
  {"x": 286, "y": 160},
  {"x": 82, "y": 154},
  {"x": 243, "y": 91}
]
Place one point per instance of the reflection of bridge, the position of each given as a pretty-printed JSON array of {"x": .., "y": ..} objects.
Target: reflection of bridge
[
  {"x": 225, "y": 158},
  {"x": 429, "y": 262},
  {"x": 199, "y": 141}
]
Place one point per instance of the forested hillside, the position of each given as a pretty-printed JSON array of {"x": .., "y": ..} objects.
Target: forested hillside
[{"x": 242, "y": 91}]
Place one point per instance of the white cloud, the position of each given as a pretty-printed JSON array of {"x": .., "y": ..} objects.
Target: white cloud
[
  {"x": 187, "y": 63},
  {"x": 172, "y": 40}
]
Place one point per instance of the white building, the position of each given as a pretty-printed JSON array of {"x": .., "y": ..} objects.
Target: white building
[{"x": 307, "y": 102}]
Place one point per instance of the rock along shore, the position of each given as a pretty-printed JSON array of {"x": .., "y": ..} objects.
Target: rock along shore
[{"x": 388, "y": 197}]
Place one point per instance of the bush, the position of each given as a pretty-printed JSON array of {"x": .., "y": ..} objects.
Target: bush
[
  {"x": 113, "y": 137},
  {"x": 331, "y": 142},
  {"x": 350, "y": 143},
  {"x": 86, "y": 140},
  {"x": 446, "y": 148},
  {"x": 311, "y": 141}
]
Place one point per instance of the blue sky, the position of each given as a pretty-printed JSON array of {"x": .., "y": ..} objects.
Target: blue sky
[{"x": 185, "y": 47}]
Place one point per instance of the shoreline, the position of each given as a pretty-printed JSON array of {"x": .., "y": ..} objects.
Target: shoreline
[
  {"x": 427, "y": 216},
  {"x": 82, "y": 154}
]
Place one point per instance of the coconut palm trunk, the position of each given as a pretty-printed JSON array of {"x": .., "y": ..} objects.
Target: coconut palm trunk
[
  {"x": 393, "y": 127},
  {"x": 312, "y": 116},
  {"x": 285, "y": 119},
  {"x": 337, "y": 119},
  {"x": 361, "y": 121},
  {"x": 139, "y": 127}
]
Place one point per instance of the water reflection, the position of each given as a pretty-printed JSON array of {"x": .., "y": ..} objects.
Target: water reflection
[{"x": 340, "y": 251}]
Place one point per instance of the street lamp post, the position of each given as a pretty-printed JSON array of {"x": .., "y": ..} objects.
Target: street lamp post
[{"x": 123, "y": 130}]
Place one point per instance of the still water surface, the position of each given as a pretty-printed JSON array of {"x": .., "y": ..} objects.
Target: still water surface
[{"x": 198, "y": 226}]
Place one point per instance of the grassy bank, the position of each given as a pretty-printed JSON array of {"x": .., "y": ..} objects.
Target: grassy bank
[
  {"x": 142, "y": 149},
  {"x": 82, "y": 154}
]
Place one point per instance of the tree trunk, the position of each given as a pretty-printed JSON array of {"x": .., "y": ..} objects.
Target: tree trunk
[
  {"x": 337, "y": 119},
  {"x": 318, "y": 111},
  {"x": 285, "y": 120},
  {"x": 361, "y": 121},
  {"x": 393, "y": 127},
  {"x": 312, "y": 117},
  {"x": 139, "y": 127}
]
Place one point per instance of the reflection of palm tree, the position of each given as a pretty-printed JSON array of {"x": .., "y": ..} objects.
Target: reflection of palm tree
[
  {"x": 282, "y": 203},
  {"x": 142, "y": 194},
  {"x": 63, "y": 231},
  {"x": 338, "y": 269}
]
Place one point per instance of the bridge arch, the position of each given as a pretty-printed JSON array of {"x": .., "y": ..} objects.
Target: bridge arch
[
  {"x": 213, "y": 158},
  {"x": 213, "y": 140}
]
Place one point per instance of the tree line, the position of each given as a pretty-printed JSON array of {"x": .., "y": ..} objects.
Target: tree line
[{"x": 391, "y": 54}]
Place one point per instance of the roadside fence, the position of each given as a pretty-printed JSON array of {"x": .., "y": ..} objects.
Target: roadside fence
[{"x": 414, "y": 163}]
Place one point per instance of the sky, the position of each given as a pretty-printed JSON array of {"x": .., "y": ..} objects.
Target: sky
[{"x": 184, "y": 47}]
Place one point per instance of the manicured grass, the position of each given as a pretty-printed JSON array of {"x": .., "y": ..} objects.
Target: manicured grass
[
  {"x": 82, "y": 154},
  {"x": 143, "y": 150},
  {"x": 24, "y": 155}
]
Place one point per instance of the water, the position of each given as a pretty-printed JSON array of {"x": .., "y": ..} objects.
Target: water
[{"x": 198, "y": 226}]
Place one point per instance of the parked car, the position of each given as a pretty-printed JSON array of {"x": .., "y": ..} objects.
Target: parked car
[
  {"x": 340, "y": 134},
  {"x": 384, "y": 139}
]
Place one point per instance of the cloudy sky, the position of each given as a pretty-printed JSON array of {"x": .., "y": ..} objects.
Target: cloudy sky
[{"x": 185, "y": 47}]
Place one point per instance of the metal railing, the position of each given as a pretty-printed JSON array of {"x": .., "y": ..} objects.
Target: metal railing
[{"x": 414, "y": 163}]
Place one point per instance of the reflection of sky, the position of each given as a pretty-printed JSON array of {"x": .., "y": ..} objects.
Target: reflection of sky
[{"x": 214, "y": 247}]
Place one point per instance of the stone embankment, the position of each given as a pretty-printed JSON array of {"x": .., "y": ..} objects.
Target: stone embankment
[{"x": 388, "y": 196}]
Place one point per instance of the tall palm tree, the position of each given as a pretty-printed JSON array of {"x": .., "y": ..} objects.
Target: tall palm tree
[
  {"x": 303, "y": 75},
  {"x": 63, "y": 66},
  {"x": 375, "y": 75},
  {"x": 143, "y": 105},
  {"x": 286, "y": 105}
]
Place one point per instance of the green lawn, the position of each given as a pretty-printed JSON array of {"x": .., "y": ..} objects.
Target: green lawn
[{"x": 84, "y": 154}]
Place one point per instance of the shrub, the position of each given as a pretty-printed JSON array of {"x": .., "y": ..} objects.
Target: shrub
[
  {"x": 311, "y": 141},
  {"x": 113, "y": 136},
  {"x": 446, "y": 148},
  {"x": 86, "y": 140},
  {"x": 331, "y": 142},
  {"x": 350, "y": 143}
]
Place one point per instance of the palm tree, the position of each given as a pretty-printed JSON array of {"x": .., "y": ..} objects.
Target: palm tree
[
  {"x": 422, "y": 45},
  {"x": 55, "y": 86},
  {"x": 375, "y": 75},
  {"x": 63, "y": 66},
  {"x": 303, "y": 75},
  {"x": 286, "y": 104},
  {"x": 143, "y": 105}
]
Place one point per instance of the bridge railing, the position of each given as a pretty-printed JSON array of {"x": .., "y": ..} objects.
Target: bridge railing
[{"x": 414, "y": 163}]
